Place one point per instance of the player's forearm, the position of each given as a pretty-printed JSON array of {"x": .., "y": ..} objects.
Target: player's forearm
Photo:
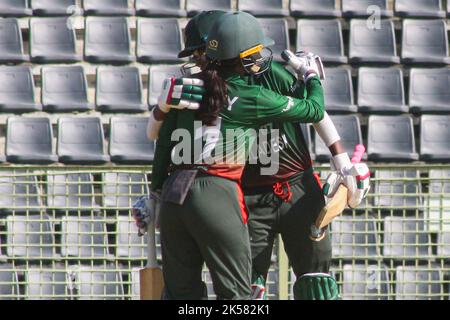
[
  {"x": 329, "y": 135},
  {"x": 314, "y": 101},
  {"x": 155, "y": 122}
]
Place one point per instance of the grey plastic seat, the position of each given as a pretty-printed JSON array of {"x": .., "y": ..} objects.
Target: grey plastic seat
[
  {"x": 338, "y": 90},
  {"x": 30, "y": 237},
  {"x": 51, "y": 41},
  {"x": 435, "y": 138},
  {"x": 17, "y": 90},
  {"x": 70, "y": 192},
  {"x": 53, "y": 7},
  {"x": 11, "y": 45},
  {"x": 393, "y": 193},
  {"x": 359, "y": 8},
  {"x": 98, "y": 283},
  {"x": 443, "y": 248},
  {"x": 128, "y": 244},
  {"x": 46, "y": 284},
  {"x": 354, "y": 237},
  {"x": 405, "y": 238},
  {"x": 19, "y": 193},
  {"x": 349, "y": 129},
  {"x": 107, "y": 40},
  {"x": 276, "y": 29},
  {"x": 15, "y": 8},
  {"x": 84, "y": 238},
  {"x": 266, "y": 8},
  {"x": 372, "y": 45},
  {"x": 158, "y": 40},
  {"x": 428, "y": 90},
  {"x": 195, "y": 6},
  {"x": 317, "y": 8},
  {"x": 119, "y": 89},
  {"x": 438, "y": 201},
  {"x": 30, "y": 141},
  {"x": 425, "y": 42},
  {"x": 81, "y": 140},
  {"x": 419, "y": 9},
  {"x": 64, "y": 89},
  {"x": 160, "y": 8},
  {"x": 9, "y": 282},
  {"x": 157, "y": 74},
  {"x": 121, "y": 190},
  {"x": 128, "y": 141},
  {"x": 381, "y": 90},
  {"x": 391, "y": 138},
  {"x": 322, "y": 37},
  {"x": 418, "y": 283},
  {"x": 107, "y": 8},
  {"x": 365, "y": 282}
]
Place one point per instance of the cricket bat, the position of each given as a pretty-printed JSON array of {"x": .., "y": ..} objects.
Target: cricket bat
[
  {"x": 151, "y": 277},
  {"x": 336, "y": 205}
]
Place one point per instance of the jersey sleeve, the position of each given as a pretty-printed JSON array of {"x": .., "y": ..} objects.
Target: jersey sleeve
[{"x": 284, "y": 82}]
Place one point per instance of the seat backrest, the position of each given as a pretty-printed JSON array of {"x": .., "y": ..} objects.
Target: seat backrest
[
  {"x": 313, "y": 8},
  {"x": 46, "y": 284},
  {"x": 418, "y": 283},
  {"x": 98, "y": 283},
  {"x": 338, "y": 87},
  {"x": 276, "y": 29},
  {"x": 365, "y": 41},
  {"x": 106, "y": 35},
  {"x": 365, "y": 282},
  {"x": 70, "y": 190},
  {"x": 19, "y": 192},
  {"x": 9, "y": 282},
  {"x": 157, "y": 74},
  {"x": 51, "y": 35},
  {"x": 10, "y": 37},
  {"x": 129, "y": 244},
  {"x": 359, "y": 7},
  {"x": 160, "y": 8},
  {"x": 418, "y": 8},
  {"x": 107, "y": 5},
  {"x": 261, "y": 7},
  {"x": 13, "y": 7},
  {"x": 121, "y": 190},
  {"x": 195, "y": 6},
  {"x": 435, "y": 135},
  {"x": 16, "y": 85},
  {"x": 53, "y": 7},
  {"x": 429, "y": 88}
]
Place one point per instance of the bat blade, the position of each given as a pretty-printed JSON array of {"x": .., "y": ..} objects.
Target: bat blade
[
  {"x": 333, "y": 208},
  {"x": 151, "y": 283}
]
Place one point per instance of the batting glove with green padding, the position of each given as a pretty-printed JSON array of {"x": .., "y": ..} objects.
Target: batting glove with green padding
[
  {"x": 316, "y": 286},
  {"x": 181, "y": 93}
]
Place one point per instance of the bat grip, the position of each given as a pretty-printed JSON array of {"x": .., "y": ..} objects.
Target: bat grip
[
  {"x": 152, "y": 261},
  {"x": 358, "y": 153}
]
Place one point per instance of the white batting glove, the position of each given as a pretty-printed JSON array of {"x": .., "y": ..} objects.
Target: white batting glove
[
  {"x": 310, "y": 63},
  {"x": 181, "y": 93},
  {"x": 144, "y": 210}
]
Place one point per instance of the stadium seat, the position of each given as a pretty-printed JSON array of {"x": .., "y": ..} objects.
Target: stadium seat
[
  {"x": 160, "y": 8},
  {"x": 428, "y": 90},
  {"x": 272, "y": 284},
  {"x": 354, "y": 237},
  {"x": 51, "y": 41},
  {"x": 46, "y": 284},
  {"x": 372, "y": 45},
  {"x": 84, "y": 238},
  {"x": 360, "y": 8},
  {"x": 30, "y": 141},
  {"x": 195, "y": 6},
  {"x": 338, "y": 90},
  {"x": 9, "y": 282},
  {"x": 418, "y": 283},
  {"x": 11, "y": 46},
  {"x": 317, "y": 8},
  {"x": 405, "y": 238},
  {"x": 70, "y": 192},
  {"x": 443, "y": 248},
  {"x": 263, "y": 8},
  {"x": 392, "y": 193},
  {"x": 157, "y": 74},
  {"x": 81, "y": 140},
  {"x": 30, "y": 237},
  {"x": 437, "y": 217},
  {"x": 97, "y": 283},
  {"x": 135, "y": 287},
  {"x": 419, "y": 9},
  {"x": 53, "y": 7},
  {"x": 19, "y": 193},
  {"x": 119, "y": 89},
  {"x": 365, "y": 282},
  {"x": 425, "y": 42},
  {"x": 276, "y": 29},
  {"x": 64, "y": 89},
  {"x": 128, "y": 244},
  {"x": 107, "y": 8},
  {"x": 107, "y": 40},
  {"x": 322, "y": 37},
  {"x": 349, "y": 129},
  {"x": 15, "y": 8},
  {"x": 158, "y": 40},
  {"x": 128, "y": 141},
  {"x": 121, "y": 190},
  {"x": 381, "y": 90},
  {"x": 435, "y": 138},
  {"x": 17, "y": 90}
]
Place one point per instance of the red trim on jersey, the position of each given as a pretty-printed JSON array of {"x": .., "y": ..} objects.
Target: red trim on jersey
[
  {"x": 172, "y": 86},
  {"x": 316, "y": 175},
  {"x": 241, "y": 201},
  {"x": 364, "y": 176}
]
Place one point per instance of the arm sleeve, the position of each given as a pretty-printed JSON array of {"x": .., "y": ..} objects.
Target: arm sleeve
[{"x": 285, "y": 83}]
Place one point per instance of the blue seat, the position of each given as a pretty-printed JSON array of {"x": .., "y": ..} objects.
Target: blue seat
[
  {"x": 365, "y": 282},
  {"x": 107, "y": 8},
  {"x": 9, "y": 282},
  {"x": 53, "y": 7},
  {"x": 19, "y": 193},
  {"x": 360, "y": 8},
  {"x": 338, "y": 90},
  {"x": 418, "y": 283},
  {"x": 266, "y": 8},
  {"x": 195, "y": 6},
  {"x": 435, "y": 138},
  {"x": 121, "y": 190},
  {"x": 11, "y": 46},
  {"x": 419, "y": 9},
  {"x": 46, "y": 284},
  {"x": 15, "y": 8},
  {"x": 317, "y": 8},
  {"x": 276, "y": 29},
  {"x": 157, "y": 74},
  {"x": 160, "y": 8}
]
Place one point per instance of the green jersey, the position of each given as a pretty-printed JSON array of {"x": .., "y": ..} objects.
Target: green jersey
[{"x": 223, "y": 149}]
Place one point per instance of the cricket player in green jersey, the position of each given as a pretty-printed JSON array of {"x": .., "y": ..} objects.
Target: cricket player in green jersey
[{"x": 203, "y": 217}]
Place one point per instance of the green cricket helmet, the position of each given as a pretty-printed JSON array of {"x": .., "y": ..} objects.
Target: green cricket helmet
[
  {"x": 239, "y": 35},
  {"x": 197, "y": 29}
]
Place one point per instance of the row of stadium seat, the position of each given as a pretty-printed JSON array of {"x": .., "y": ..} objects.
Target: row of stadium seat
[
  {"x": 297, "y": 8},
  {"x": 108, "y": 40}
]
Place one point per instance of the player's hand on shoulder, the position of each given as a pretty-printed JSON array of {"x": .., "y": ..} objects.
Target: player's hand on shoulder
[{"x": 181, "y": 93}]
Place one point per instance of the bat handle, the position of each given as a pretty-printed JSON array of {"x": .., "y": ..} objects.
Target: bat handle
[
  {"x": 152, "y": 261},
  {"x": 358, "y": 153}
]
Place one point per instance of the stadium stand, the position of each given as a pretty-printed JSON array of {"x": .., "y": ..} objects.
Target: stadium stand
[
  {"x": 323, "y": 37},
  {"x": 107, "y": 8},
  {"x": 160, "y": 8},
  {"x": 418, "y": 283},
  {"x": 11, "y": 44},
  {"x": 338, "y": 90},
  {"x": 276, "y": 29},
  {"x": 365, "y": 282},
  {"x": 129, "y": 245},
  {"x": 443, "y": 249},
  {"x": 157, "y": 74},
  {"x": 121, "y": 190},
  {"x": 435, "y": 138},
  {"x": 365, "y": 8},
  {"x": 195, "y": 6},
  {"x": 15, "y": 8},
  {"x": 30, "y": 141},
  {"x": 419, "y": 9},
  {"x": 9, "y": 282},
  {"x": 437, "y": 218},
  {"x": 19, "y": 194},
  {"x": 119, "y": 89},
  {"x": 44, "y": 284},
  {"x": 317, "y": 8},
  {"x": 263, "y": 8},
  {"x": 53, "y": 7}
]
